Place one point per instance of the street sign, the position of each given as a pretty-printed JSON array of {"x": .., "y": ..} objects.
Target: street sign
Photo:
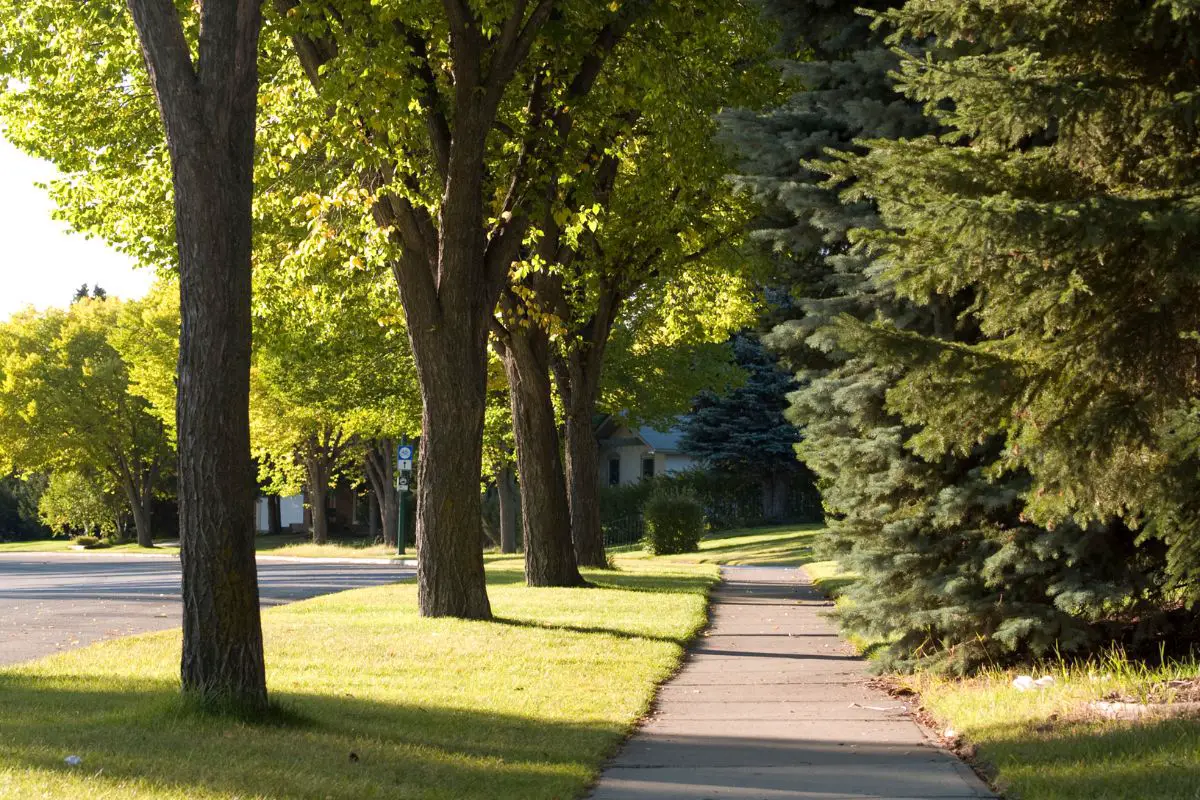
[
  {"x": 405, "y": 466},
  {"x": 405, "y": 453},
  {"x": 404, "y": 484}
]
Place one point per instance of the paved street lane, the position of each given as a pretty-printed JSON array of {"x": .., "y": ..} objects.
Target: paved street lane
[{"x": 54, "y": 602}]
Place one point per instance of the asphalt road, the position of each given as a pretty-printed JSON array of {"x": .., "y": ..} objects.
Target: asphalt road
[{"x": 50, "y": 603}]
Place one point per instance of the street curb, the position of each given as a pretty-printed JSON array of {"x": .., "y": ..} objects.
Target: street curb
[{"x": 397, "y": 562}]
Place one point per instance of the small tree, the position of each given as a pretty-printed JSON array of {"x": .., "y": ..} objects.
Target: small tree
[
  {"x": 73, "y": 503},
  {"x": 66, "y": 405},
  {"x": 744, "y": 430}
]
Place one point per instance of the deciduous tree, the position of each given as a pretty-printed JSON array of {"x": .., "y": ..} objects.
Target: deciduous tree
[
  {"x": 66, "y": 405},
  {"x": 95, "y": 75}
]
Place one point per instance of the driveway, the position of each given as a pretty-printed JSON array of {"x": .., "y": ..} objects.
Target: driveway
[{"x": 53, "y": 602}]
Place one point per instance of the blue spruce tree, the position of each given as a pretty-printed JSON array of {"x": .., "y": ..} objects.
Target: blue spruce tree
[{"x": 953, "y": 574}]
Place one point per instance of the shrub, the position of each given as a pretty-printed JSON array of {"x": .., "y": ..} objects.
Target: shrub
[
  {"x": 674, "y": 523},
  {"x": 730, "y": 500}
]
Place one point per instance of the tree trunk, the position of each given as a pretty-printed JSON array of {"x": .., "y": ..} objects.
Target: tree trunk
[
  {"x": 506, "y": 489},
  {"x": 583, "y": 486},
  {"x": 137, "y": 490},
  {"x": 546, "y": 516},
  {"x": 373, "y": 516},
  {"x": 381, "y": 475},
  {"x": 274, "y": 514},
  {"x": 390, "y": 516},
  {"x": 318, "y": 498},
  {"x": 577, "y": 373},
  {"x": 141, "y": 523},
  {"x": 450, "y": 576},
  {"x": 208, "y": 110}
]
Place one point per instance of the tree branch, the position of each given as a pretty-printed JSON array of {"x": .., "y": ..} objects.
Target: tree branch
[
  {"x": 435, "y": 116},
  {"x": 465, "y": 45},
  {"x": 168, "y": 60},
  {"x": 515, "y": 43}
]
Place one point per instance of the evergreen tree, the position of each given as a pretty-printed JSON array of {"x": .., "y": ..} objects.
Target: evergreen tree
[
  {"x": 951, "y": 573},
  {"x": 1063, "y": 201},
  {"x": 743, "y": 431}
]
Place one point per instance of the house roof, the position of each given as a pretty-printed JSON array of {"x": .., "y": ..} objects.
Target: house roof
[{"x": 665, "y": 441}]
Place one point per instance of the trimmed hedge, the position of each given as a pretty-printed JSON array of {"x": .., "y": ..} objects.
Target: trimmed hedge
[
  {"x": 729, "y": 500},
  {"x": 674, "y": 523}
]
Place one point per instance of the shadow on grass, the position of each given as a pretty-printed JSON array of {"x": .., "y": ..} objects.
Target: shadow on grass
[
  {"x": 1113, "y": 760},
  {"x": 141, "y": 735},
  {"x": 791, "y": 549},
  {"x": 505, "y": 575},
  {"x": 635, "y": 582},
  {"x": 682, "y": 641}
]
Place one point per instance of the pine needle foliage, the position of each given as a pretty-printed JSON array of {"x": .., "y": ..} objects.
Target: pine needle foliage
[
  {"x": 1062, "y": 197},
  {"x": 956, "y": 571}
]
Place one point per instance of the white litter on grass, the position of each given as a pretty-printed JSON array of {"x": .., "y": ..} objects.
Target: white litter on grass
[
  {"x": 73, "y": 761},
  {"x": 1025, "y": 683}
]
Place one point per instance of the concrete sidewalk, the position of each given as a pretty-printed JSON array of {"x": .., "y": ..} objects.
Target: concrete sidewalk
[{"x": 772, "y": 704}]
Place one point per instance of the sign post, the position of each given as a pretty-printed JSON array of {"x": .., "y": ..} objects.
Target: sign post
[{"x": 404, "y": 465}]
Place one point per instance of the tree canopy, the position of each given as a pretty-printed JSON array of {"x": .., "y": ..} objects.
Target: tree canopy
[{"x": 67, "y": 405}]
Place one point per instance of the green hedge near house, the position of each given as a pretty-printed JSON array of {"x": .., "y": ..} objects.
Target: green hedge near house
[
  {"x": 674, "y": 523},
  {"x": 728, "y": 500}
]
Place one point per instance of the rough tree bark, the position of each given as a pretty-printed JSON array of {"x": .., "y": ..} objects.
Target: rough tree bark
[
  {"x": 546, "y": 516},
  {"x": 208, "y": 110},
  {"x": 506, "y": 489},
  {"x": 577, "y": 372}
]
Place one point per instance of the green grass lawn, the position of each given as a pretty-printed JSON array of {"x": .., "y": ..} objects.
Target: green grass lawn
[
  {"x": 526, "y": 706},
  {"x": 65, "y": 545},
  {"x": 779, "y": 545},
  {"x": 284, "y": 544},
  {"x": 1047, "y": 745}
]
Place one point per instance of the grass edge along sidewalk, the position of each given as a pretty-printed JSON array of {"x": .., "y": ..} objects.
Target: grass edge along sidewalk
[
  {"x": 374, "y": 700},
  {"x": 1046, "y": 744}
]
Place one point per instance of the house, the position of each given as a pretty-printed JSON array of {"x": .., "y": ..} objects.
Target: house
[
  {"x": 291, "y": 513},
  {"x": 342, "y": 507},
  {"x": 629, "y": 454}
]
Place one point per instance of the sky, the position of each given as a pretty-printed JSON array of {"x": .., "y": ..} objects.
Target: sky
[{"x": 41, "y": 261}]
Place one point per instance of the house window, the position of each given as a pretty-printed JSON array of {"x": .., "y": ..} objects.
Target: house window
[
  {"x": 614, "y": 472},
  {"x": 648, "y": 467}
]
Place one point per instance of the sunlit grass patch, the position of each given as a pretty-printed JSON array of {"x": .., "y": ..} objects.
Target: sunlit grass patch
[
  {"x": 526, "y": 706},
  {"x": 1052, "y": 743},
  {"x": 63, "y": 545}
]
